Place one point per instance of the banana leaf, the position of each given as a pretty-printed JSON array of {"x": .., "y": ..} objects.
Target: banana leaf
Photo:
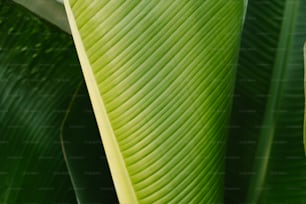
[
  {"x": 84, "y": 153},
  {"x": 160, "y": 76},
  {"x": 39, "y": 72},
  {"x": 265, "y": 160}
]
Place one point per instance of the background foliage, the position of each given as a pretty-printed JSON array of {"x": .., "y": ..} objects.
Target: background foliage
[
  {"x": 39, "y": 71},
  {"x": 45, "y": 111}
]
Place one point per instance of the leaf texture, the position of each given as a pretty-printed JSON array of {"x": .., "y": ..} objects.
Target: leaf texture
[
  {"x": 84, "y": 156},
  {"x": 287, "y": 183},
  {"x": 39, "y": 71},
  {"x": 160, "y": 76},
  {"x": 257, "y": 55},
  {"x": 277, "y": 174}
]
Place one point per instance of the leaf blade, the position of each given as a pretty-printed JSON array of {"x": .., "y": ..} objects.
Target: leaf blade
[
  {"x": 131, "y": 96},
  {"x": 88, "y": 169},
  {"x": 281, "y": 183},
  {"x": 35, "y": 89}
]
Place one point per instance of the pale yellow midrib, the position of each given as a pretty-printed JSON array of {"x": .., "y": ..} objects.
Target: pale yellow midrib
[{"x": 121, "y": 179}]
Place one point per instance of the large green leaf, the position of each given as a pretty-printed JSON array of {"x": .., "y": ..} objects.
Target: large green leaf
[
  {"x": 257, "y": 55},
  {"x": 268, "y": 111},
  {"x": 84, "y": 154},
  {"x": 160, "y": 76},
  {"x": 39, "y": 72}
]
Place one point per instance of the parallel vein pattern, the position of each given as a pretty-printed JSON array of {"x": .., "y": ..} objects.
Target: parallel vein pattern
[
  {"x": 88, "y": 169},
  {"x": 164, "y": 70},
  {"x": 39, "y": 71},
  {"x": 287, "y": 183},
  {"x": 276, "y": 48},
  {"x": 256, "y": 60}
]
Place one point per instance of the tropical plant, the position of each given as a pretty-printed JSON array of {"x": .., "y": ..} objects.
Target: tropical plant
[{"x": 160, "y": 77}]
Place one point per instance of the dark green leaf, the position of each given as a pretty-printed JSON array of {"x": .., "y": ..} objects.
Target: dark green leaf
[
  {"x": 84, "y": 153},
  {"x": 39, "y": 72},
  {"x": 268, "y": 114}
]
